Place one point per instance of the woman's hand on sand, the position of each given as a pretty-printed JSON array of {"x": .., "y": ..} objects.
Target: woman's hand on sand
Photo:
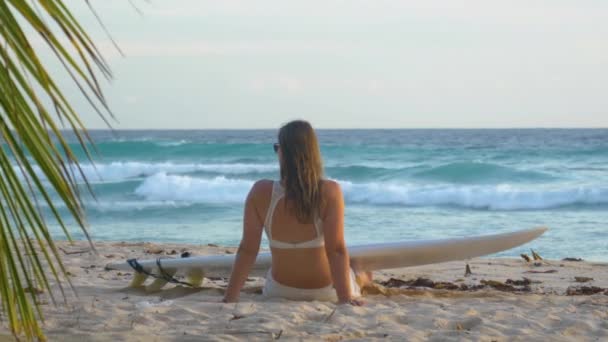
[
  {"x": 229, "y": 300},
  {"x": 353, "y": 302}
]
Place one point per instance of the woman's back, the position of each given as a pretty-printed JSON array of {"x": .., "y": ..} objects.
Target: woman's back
[{"x": 298, "y": 249}]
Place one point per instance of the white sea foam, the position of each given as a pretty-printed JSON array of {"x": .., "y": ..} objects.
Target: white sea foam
[
  {"x": 494, "y": 197},
  {"x": 122, "y": 206},
  {"x": 163, "y": 187},
  {"x": 123, "y": 170},
  {"x": 172, "y": 143},
  {"x": 118, "y": 171},
  {"x": 123, "y": 140}
]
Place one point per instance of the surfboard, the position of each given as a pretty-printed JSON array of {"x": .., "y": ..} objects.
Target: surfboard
[{"x": 368, "y": 257}]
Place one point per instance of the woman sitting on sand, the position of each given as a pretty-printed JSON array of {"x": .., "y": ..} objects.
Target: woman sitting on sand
[{"x": 303, "y": 216}]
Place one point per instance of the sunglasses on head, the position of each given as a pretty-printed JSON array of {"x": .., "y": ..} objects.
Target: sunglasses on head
[{"x": 275, "y": 147}]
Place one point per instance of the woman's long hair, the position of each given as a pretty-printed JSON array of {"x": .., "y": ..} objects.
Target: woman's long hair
[{"x": 301, "y": 169}]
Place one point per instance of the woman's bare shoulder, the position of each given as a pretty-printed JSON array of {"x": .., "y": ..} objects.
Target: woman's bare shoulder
[
  {"x": 330, "y": 188},
  {"x": 262, "y": 187}
]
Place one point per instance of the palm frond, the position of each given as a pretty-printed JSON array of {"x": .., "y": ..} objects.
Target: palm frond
[{"x": 36, "y": 162}]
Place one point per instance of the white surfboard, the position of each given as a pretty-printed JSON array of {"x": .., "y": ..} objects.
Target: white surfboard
[{"x": 363, "y": 257}]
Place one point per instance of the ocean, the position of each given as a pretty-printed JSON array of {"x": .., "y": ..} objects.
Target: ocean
[{"x": 189, "y": 185}]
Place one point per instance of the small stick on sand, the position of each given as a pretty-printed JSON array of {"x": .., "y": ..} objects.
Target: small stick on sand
[
  {"x": 467, "y": 271},
  {"x": 330, "y": 315},
  {"x": 80, "y": 251},
  {"x": 547, "y": 271}
]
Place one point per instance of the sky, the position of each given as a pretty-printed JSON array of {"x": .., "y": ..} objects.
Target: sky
[{"x": 198, "y": 64}]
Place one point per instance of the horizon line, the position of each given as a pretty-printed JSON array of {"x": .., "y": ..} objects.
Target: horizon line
[{"x": 344, "y": 129}]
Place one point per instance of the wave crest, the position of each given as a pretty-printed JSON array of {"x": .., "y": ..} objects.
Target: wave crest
[
  {"x": 122, "y": 171},
  {"x": 496, "y": 197},
  {"x": 163, "y": 187}
]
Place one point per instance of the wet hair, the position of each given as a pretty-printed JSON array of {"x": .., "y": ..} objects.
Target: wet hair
[{"x": 301, "y": 169}]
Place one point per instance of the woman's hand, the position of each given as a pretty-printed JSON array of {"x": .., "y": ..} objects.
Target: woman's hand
[
  {"x": 352, "y": 301},
  {"x": 229, "y": 300}
]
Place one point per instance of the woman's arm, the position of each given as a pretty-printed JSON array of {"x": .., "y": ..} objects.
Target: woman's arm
[
  {"x": 253, "y": 226},
  {"x": 335, "y": 247}
]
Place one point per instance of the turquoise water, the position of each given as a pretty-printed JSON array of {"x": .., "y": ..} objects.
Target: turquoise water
[{"x": 189, "y": 186}]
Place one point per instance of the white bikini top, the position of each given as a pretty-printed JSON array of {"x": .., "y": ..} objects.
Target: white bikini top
[{"x": 277, "y": 193}]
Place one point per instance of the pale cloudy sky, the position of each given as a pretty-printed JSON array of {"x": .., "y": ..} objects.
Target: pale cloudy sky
[{"x": 354, "y": 64}]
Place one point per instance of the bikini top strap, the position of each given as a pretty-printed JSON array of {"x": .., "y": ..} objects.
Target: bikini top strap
[
  {"x": 318, "y": 223},
  {"x": 276, "y": 195}
]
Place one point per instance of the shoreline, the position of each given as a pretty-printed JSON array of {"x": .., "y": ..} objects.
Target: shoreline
[{"x": 414, "y": 303}]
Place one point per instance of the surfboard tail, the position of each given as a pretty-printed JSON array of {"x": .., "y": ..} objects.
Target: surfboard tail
[{"x": 367, "y": 258}]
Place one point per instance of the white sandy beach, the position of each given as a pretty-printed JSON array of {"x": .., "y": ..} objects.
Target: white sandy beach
[{"x": 106, "y": 310}]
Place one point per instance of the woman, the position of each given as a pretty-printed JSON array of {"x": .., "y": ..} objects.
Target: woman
[{"x": 303, "y": 216}]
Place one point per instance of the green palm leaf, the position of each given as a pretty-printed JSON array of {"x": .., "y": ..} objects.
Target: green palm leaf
[{"x": 36, "y": 162}]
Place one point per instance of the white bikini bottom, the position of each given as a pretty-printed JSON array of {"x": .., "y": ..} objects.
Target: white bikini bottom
[{"x": 272, "y": 288}]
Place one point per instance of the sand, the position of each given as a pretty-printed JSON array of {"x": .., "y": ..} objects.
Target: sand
[{"x": 541, "y": 311}]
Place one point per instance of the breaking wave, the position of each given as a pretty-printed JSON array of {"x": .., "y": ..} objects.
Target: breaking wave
[{"x": 164, "y": 187}]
